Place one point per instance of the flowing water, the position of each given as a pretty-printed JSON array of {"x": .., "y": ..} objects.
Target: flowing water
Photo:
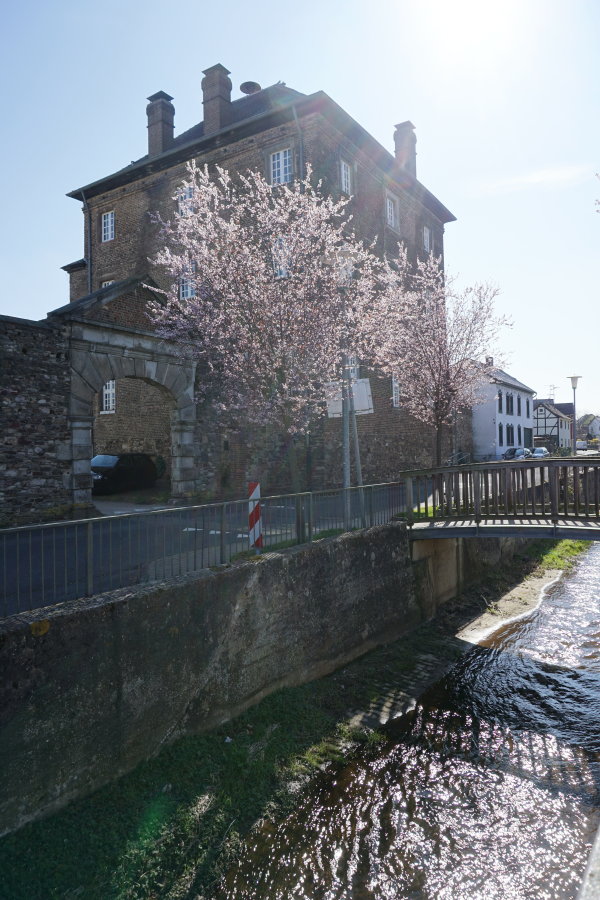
[{"x": 489, "y": 789}]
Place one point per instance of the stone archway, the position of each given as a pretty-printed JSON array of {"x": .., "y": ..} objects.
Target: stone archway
[{"x": 100, "y": 352}]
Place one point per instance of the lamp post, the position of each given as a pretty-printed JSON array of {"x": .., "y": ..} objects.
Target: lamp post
[{"x": 574, "y": 380}]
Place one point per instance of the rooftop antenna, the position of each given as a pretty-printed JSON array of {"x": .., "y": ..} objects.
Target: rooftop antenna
[{"x": 552, "y": 389}]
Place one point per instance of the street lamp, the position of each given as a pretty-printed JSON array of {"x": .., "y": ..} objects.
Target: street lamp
[{"x": 574, "y": 380}]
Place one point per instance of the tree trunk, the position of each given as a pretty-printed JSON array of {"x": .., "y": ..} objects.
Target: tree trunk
[
  {"x": 438, "y": 445},
  {"x": 292, "y": 457}
]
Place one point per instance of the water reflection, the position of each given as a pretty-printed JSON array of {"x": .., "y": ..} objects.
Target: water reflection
[{"x": 490, "y": 788}]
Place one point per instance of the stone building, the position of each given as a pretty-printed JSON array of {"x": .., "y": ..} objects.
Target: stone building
[
  {"x": 275, "y": 130},
  {"x": 35, "y": 461}
]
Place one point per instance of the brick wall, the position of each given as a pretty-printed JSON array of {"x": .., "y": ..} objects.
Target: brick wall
[
  {"x": 140, "y": 423},
  {"x": 390, "y": 439},
  {"x": 34, "y": 432}
]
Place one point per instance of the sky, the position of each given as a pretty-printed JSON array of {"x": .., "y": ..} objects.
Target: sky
[{"x": 504, "y": 97}]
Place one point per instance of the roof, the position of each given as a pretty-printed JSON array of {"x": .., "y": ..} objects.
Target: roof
[
  {"x": 500, "y": 377},
  {"x": 549, "y": 405},
  {"x": 101, "y": 297},
  {"x": 566, "y": 408},
  {"x": 257, "y": 112}
]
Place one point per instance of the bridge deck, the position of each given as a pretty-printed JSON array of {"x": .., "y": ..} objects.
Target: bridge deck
[{"x": 575, "y": 528}]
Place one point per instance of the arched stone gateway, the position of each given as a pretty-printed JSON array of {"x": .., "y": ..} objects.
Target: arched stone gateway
[{"x": 100, "y": 352}]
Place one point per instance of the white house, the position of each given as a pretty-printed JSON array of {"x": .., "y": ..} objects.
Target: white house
[
  {"x": 551, "y": 426},
  {"x": 504, "y": 417},
  {"x": 589, "y": 425}
]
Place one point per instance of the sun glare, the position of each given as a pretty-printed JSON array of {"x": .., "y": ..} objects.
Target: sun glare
[{"x": 472, "y": 31}]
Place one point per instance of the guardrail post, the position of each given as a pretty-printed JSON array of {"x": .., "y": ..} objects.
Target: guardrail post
[
  {"x": 553, "y": 479},
  {"x": 310, "y": 518},
  {"x": 410, "y": 518},
  {"x": 477, "y": 495},
  {"x": 300, "y": 530},
  {"x": 222, "y": 538},
  {"x": 90, "y": 558}
]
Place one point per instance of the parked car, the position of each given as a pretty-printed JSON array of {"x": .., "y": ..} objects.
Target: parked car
[
  {"x": 539, "y": 453},
  {"x": 516, "y": 453},
  {"x": 121, "y": 472}
]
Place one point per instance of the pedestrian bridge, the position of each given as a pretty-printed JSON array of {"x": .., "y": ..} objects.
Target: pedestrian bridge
[{"x": 549, "y": 498}]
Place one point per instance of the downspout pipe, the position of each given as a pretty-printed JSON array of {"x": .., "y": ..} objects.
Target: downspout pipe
[
  {"x": 301, "y": 143},
  {"x": 89, "y": 242}
]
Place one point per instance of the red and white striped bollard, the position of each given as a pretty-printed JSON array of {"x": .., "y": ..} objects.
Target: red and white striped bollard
[{"x": 254, "y": 522}]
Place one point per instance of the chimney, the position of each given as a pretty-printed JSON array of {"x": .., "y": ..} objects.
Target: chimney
[
  {"x": 216, "y": 97},
  {"x": 489, "y": 361},
  {"x": 405, "y": 141},
  {"x": 161, "y": 118}
]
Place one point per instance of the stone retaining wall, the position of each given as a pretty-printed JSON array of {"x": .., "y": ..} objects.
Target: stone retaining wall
[
  {"x": 90, "y": 688},
  {"x": 35, "y": 462}
]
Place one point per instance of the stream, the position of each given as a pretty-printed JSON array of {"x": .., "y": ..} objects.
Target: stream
[{"x": 489, "y": 788}]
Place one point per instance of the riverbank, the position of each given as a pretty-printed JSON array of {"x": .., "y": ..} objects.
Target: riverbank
[{"x": 172, "y": 827}]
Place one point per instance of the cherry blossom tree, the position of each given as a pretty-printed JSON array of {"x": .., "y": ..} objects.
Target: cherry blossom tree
[
  {"x": 266, "y": 287},
  {"x": 432, "y": 337}
]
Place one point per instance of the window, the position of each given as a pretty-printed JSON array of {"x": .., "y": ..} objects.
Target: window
[
  {"x": 184, "y": 197},
  {"x": 510, "y": 405},
  {"x": 395, "y": 392},
  {"x": 391, "y": 211},
  {"x": 500, "y": 403},
  {"x": 281, "y": 258},
  {"x": 519, "y": 408},
  {"x": 281, "y": 166},
  {"x": 519, "y": 435},
  {"x": 109, "y": 397},
  {"x": 500, "y": 435},
  {"x": 510, "y": 435},
  {"x": 427, "y": 243},
  {"x": 106, "y": 283},
  {"x": 108, "y": 226},
  {"x": 187, "y": 288},
  {"x": 527, "y": 408},
  {"x": 345, "y": 177}
]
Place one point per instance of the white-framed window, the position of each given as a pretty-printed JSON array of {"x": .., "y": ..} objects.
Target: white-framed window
[
  {"x": 106, "y": 283},
  {"x": 187, "y": 288},
  {"x": 109, "y": 397},
  {"x": 427, "y": 242},
  {"x": 345, "y": 177},
  {"x": 395, "y": 392},
  {"x": 281, "y": 260},
  {"x": 281, "y": 166},
  {"x": 184, "y": 196},
  {"x": 108, "y": 226},
  {"x": 391, "y": 211}
]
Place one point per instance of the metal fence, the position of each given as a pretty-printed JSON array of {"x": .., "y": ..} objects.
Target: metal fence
[{"x": 44, "y": 565}]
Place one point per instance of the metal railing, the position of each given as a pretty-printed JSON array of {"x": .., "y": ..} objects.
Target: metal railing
[
  {"x": 550, "y": 488},
  {"x": 44, "y": 565}
]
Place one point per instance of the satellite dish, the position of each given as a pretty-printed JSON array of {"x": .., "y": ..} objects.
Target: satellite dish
[{"x": 250, "y": 87}]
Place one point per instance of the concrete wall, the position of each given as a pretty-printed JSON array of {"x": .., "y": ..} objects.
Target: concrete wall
[{"x": 91, "y": 688}]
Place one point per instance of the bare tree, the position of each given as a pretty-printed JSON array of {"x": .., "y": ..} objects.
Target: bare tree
[{"x": 432, "y": 336}]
